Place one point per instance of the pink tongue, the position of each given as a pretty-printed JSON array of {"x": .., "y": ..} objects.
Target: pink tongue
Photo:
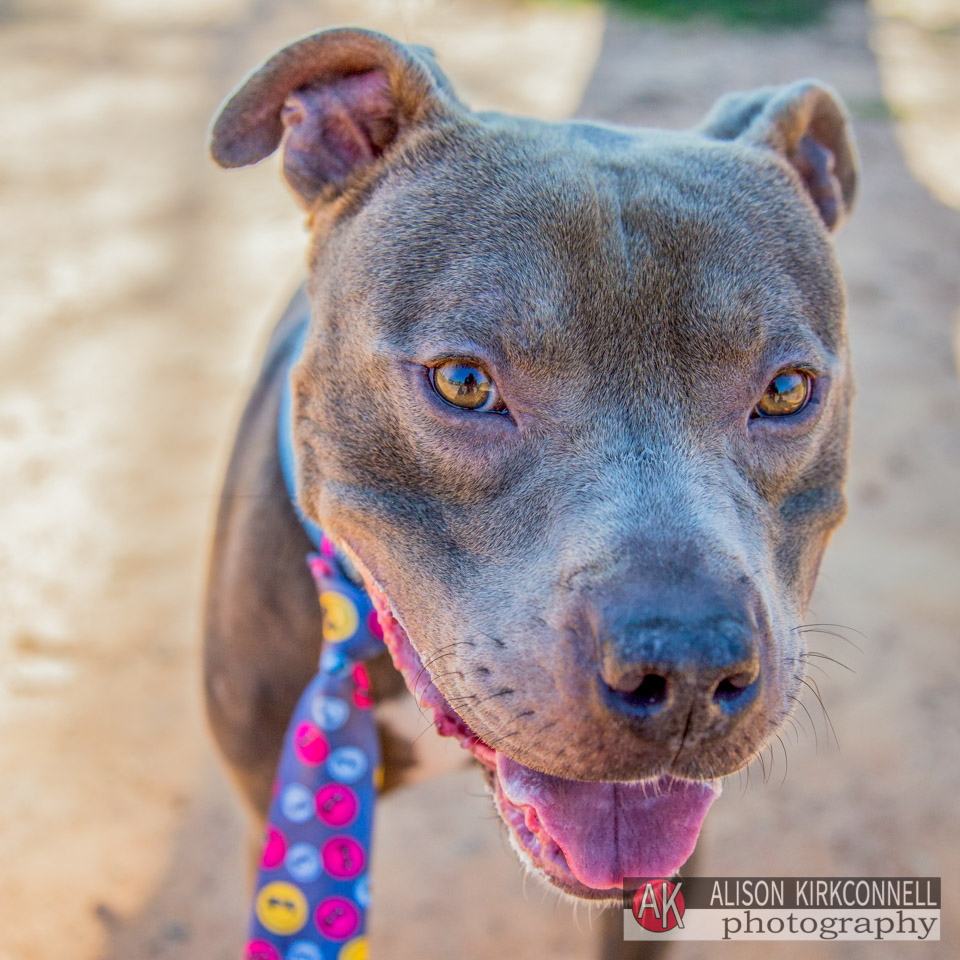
[{"x": 608, "y": 831}]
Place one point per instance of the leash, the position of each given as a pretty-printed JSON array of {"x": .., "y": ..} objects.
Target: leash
[{"x": 313, "y": 890}]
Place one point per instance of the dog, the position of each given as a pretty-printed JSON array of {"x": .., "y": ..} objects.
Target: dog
[{"x": 574, "y": 400}]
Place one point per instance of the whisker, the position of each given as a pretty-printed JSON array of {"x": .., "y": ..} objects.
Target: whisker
[
  {"x": 433, "y": 723},
  {"x": 492, "y": 639},
  {"x": 826, "y": 713},
  {"x": 452, "y": 712},
  {"x": 504, "y": 736},
  {"x": 786, "y": 762},
  {"x": 796, "y": 728},
  {"x": 423, "y": 714},
  {"x": 423, "y": 669},
  {"x": 830, "y": 633},
  {"x": 826, "y": 716},
  {"x": 839, "y": 626},
  {"x": 443, "y": 651},
  {"x": 823, "y": 656},
  {"x": 813, "y": 726},
  {"x": 816, "y": 666},
  {"x": 449, "y": 673}
]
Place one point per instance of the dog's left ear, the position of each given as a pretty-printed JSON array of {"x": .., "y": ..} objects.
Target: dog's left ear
[
  {"x": 337, "y": 101},
  {"x": 806, "y": 123}
]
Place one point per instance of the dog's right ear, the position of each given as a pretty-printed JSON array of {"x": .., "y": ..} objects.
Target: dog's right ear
[{"x": 338, "y": 100}]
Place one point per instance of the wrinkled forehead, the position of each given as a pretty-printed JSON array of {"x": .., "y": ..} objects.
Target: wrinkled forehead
[{"x": 549, "y": 245}]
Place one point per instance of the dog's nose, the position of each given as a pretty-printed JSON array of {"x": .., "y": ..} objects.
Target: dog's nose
[
  {"x": 666, "y": 684},
  {"x": 670, "y": 675}
]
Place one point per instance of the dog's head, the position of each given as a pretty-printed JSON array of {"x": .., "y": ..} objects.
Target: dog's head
[{"x": 576, "y": 398}]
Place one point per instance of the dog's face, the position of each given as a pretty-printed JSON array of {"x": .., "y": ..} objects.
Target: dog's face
[{"x": 576, "y": 399}]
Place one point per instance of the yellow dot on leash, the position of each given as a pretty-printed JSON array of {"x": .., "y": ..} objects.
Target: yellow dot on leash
[
  {"x": 340, "y": 618},
  {"x": 281, "y": 908},
  {"x": 356, "y": 949},
  {"x": 378, "y": 778}
]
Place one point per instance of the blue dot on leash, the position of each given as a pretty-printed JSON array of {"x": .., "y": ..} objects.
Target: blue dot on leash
[
  {"x": 329, "y": 713},
  {"x": 296, "y": 803}
]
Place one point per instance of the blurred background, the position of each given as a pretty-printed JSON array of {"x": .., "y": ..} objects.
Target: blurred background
[{"x": 137, "y": 284}]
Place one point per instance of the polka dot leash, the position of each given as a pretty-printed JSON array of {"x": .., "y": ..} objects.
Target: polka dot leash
[{"x": 313, "y": 884}]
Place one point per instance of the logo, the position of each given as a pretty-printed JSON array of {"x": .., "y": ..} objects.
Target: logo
[
  {"x": 658, "y": 905},
  {"x": 781, "y": 908}
]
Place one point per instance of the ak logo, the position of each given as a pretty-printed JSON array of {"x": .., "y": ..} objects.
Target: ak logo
[{"x": 658, "y": 905}]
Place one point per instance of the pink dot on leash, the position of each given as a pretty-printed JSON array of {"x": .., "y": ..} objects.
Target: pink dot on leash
[
  {"x": 309, "y": 744},
  {"x": 320, "y": 567},
  {"x": 260, "y": 950},
  {"x": 274, "y": 849},
  {"x": 337, "y": 805},
  {"x": 343, "y": 857},
  {"x": 360, "y": 676},
  {"x": 373, "y": 624},
  {"x": 361, "y": 695},
  {"x": 337, "y": 918}
]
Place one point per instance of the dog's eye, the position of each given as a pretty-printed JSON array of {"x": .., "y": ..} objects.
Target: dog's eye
[
  {"x": 463, "y": 384},
  {"x": 787, "y": 393}
]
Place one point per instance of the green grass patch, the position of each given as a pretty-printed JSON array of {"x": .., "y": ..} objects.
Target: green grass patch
[{"x": 750, "y": 13}]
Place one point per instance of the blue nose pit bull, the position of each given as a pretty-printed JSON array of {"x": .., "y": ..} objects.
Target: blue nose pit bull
[{"x": 574, "y": 399}]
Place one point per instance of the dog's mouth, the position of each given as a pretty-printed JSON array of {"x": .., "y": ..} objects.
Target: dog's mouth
[{"x": 584, "y": 837}]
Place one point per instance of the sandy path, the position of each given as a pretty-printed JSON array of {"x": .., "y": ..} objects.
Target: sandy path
[{"x": 136, "y": 285}]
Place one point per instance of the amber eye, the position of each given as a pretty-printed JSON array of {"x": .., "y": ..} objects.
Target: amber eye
[
  {"x": 787, "y": 393},
  {"x": 466, "y": 385}
]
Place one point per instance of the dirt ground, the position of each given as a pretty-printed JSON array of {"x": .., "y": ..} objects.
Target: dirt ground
[{"x": 137, "y": 283}]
